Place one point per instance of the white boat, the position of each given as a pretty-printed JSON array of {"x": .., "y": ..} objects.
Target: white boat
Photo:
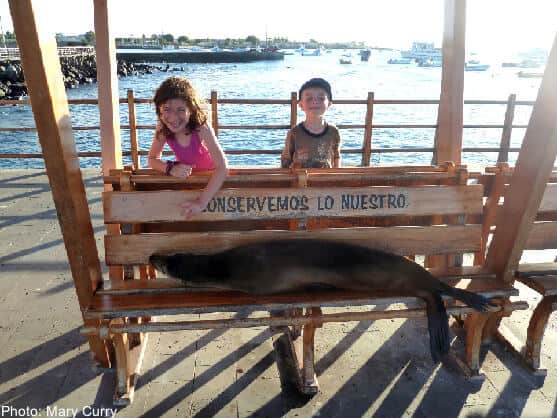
[
  {"x": 345, "y": 59},
  {"x": 311, "y": 52},
  {"x": 529, "y": 74},
  {"x": 399, "y": 60},
  {"x": 475, "y": 65},
  {"x": 422, "y": 51},
  {"x": 430, "y": 62}
]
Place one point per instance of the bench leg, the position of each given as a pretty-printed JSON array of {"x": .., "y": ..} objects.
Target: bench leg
[
  {"x": 536, "y": 328},
  {"x": 530, "y": 352},
  {"x": 491, "y": 328},
  {"x": 129, "y": 357},
  {"x": 309, "y": 379},
  {"x": 470, "y": 366},
  {"x": 301, "y": 349},
  {"x": 102, "y": 350}
]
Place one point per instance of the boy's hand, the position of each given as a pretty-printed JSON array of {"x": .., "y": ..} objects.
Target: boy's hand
[{"x": 180, "y": 170}]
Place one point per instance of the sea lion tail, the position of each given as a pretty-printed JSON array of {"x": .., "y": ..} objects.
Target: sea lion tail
[
  {"x": 438, "y": 325},
  {"x": 478, "y": 302}
]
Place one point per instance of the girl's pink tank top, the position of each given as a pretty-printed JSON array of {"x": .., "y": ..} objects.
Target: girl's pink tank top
[{"x": 195, "y": 154}]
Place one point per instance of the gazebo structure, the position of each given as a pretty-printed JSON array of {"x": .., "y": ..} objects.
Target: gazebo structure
[{"x": 51, "y": 111}]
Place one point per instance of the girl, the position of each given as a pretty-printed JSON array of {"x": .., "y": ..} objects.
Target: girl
[{"x": 182, "y": 124}]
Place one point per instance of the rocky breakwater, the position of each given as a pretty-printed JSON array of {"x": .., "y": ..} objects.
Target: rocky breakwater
[{"x": 76, "y": 70}]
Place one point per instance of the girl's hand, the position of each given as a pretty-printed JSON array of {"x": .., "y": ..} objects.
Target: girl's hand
[
  {"x": 192, "y": 208},
  {"x": 180, "y": 170},
  {"x": 159, "y": 126}
]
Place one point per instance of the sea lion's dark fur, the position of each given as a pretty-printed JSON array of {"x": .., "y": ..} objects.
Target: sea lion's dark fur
[{"x": 292, "y": 265}]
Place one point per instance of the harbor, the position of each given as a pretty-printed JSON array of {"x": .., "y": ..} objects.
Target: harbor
[{"x": 254, "y": 110}]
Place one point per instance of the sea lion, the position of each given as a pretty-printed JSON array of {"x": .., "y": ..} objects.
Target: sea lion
[{"x": 295, "y": 265}]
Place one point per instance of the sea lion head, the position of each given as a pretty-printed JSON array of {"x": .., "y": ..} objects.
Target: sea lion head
[
  {"x": 159, "y": 262},
  {"x": 192, "y": 269}
]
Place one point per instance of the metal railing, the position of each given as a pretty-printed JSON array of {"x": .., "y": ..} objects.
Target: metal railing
[
  {"x": 63, "y": 51},
  {"x": 368, "y": 127}
]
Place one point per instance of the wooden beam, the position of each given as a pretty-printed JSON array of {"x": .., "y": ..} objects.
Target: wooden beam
[
  {"x": 448, "y": 137},
  {"x": 288, "y": 203},
  {"x": 528, "y": 182},
  {"x": 402, "y": 240},
  {"x": 107, "y": 78},
  {"x": 43, "y": 77}
]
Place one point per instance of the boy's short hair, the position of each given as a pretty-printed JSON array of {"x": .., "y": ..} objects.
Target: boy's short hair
[{"x": 316, "y": 82}]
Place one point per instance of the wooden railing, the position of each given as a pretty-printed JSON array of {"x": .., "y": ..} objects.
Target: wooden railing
[{"x": 366, "y": 150}]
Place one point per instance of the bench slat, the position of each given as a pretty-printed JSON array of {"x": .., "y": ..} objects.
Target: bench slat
[
  {"x": 402, "y": 240},
  {"x": 169, "y": 285},
  {"x": 542, "y": 277},
  {"x": 543, "y": 236},
  {"x": 287, "y": 179},
  {"x": 153, "y": 206},
  {"x": 134, "y": 305},
  {"x": 544, "y": 285},
  {"x": 549, "y": 200},
  {"x": 536, "y": 269}
]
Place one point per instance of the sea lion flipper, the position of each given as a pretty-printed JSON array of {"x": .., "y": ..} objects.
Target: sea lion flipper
[
  {"x": 438, "y": 325},
  {"x": 478, "y": 302}
]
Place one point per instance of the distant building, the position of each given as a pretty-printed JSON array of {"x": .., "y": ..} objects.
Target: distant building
[{"x": 71, "y": 40}]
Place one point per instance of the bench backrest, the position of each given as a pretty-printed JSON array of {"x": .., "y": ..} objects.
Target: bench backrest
[
  {"x": 543, "y": 233},
  {"x": 408, "y": 211}
]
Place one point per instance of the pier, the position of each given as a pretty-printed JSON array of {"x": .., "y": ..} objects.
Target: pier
[{"x": 185, "y": 56}]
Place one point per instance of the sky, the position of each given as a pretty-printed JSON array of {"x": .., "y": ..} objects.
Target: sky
[{"x": 493, "y": 26}]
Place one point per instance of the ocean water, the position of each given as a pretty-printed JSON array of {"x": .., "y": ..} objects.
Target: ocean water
[{"x": 275, "y": 80}]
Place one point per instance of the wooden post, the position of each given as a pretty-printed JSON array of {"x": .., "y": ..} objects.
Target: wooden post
[
  {"x": 215, "y": 112},
  {"x": 448, "y": 137},
  {"x": 507, "y": 130},
  {"x": 366, "y": 156},
  {"x": 43, "y": 77},
  {"x": 109, "y": 102},
  {"x": 107, "y": 78},
  {"x": 293, "y": 109},
  {"x": 133, "y": 131},
  {"x": 532, "y": 171}
]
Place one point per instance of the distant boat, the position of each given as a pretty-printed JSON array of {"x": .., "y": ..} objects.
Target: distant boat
[
  {"x": 345, "y": 59},
  {"x": 526, "y": 63},
  {"x": 422, "y": 51},
  {"x": 399, "y": 61},
  {"x": 311, "y": 52},
  {"x": 529, "y": 74},
  {"x": 475, "y": 65},
  {"x": 365, "y": 54},
  {"x": 430, "y": 63}
]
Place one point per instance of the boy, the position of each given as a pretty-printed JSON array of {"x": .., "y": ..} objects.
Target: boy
[{"x": 313, "y": 143}]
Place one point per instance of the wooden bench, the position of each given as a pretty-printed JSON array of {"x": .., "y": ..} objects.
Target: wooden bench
[
  {"x": 539, "y": 276},
  {"x": 428, "y": 212}
]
